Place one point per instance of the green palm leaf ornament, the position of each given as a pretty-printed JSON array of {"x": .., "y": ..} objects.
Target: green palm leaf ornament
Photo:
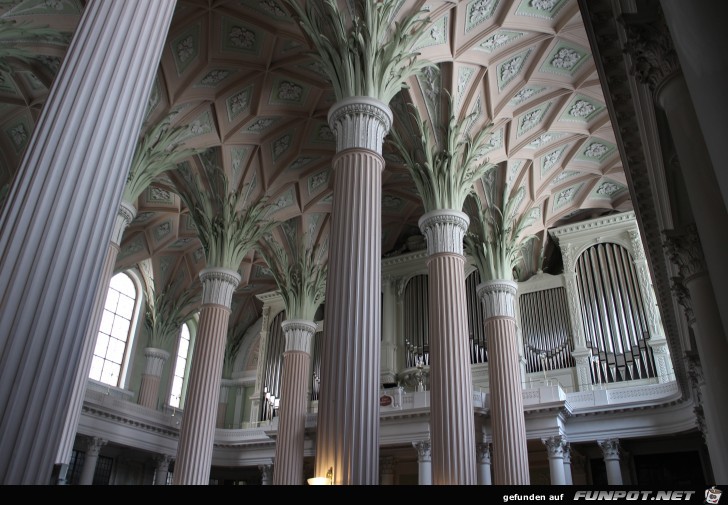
[
  {"x": 495, "y": 239},
  {"x": 300, "y": 277},
  {"x": 444, "y": 167},
  {"x": 364, "y": 54}
]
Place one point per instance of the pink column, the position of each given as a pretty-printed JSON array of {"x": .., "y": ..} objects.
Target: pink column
[
  {"x": 510, "y": 454},
  {"x": 452, "y": 422},
  {"x": 197, "y": 433},
  {"x": 56, "y": 224},
  {"x": 149, "y": 388},
  {"x": 288, "y": 467},
  {"x": 347, "y": 436}
]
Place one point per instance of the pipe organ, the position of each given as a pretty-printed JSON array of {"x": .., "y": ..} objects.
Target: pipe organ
[
  {"x": 547, "y": 342},
  {"x": 272, "y": 371}
]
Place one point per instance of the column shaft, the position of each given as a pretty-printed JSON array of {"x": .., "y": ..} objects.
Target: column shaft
[
  {"x": 451, "y": 385},
  {"x": 347, "y": 438},
  {"x": 197, "y": 433},
  {"x": 288, "y": 469},
  {"x": 91, "y": 120},
  {"x": 424, "y": 462},
  {"x": 89, "y": 463},
  {"x": 151, "y": 378},
  {"x": 483, "y": 457}
]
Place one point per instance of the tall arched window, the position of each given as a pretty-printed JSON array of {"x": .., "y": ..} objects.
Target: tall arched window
[
  {"x": 180, "y": 367},
  {"x": 115, "y": 333}
]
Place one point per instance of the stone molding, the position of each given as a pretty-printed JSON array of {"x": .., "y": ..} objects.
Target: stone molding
[
  {"x": 444, "y": 231},
  {"x": 298, "y": 334},
  {"x": 499, "y": 298},
  {"x": 218, "y": 285},
  {"x": 127, "y": 213},
  {"x": 360, "y": 122},
  {"x": 156, "y": 358}
]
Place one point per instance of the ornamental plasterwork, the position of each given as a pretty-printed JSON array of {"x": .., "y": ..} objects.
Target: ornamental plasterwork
[
  {"x": 596, "y": 150},
  {"x": 143, "y": 217},
  {"x": 525, "y": 94},
  {"x": 437, "y": 34},
  {"x": 545, "y": 9},
  {"x": 238, "y": 103},
  {"x": 513, "y": 168},
  {"x": 478, "y": 11},
  {"x": 430, "y": 85},
  {"x": 18, "y": 135},
  {"x": 317, "y": 180},
  {"x": 165, "y": 263},
  {"x": 324, "y": 134},
  {"x": 270, "y": 7},
  {"x": 261, "y": 124},
  {"x": 159, "y": 195},
  {"x": 281, "y": 145},
  {"x": 391, "y": 202},
  {"x": 185, "y": 48},
  {"x": 550, "y": 160},
  {"x": 464, "y": 75},
  {"x": 607, "y": 189},
  {"x": 564, "y": 60},
  {"x": 494, "y": 142},
  {"x": 289, "y": 92},
  {"x": 162, "y": 230},
  {"x": 509, "y": 69},
  {"x": 200, "y": 126},
  {"x": 581, "y": 109},
  {"x": 133, "y": 247},
  {"x": 237, "y": 155},
  {"x": 198, "y": 254},
  {"x": 240, "y": 37},
  {"x": 499, "y": 39},
  {"x": 532, "y": 118},
  {"x": 300, "y": 162},
  {"x": 284, "y": 201},
  {"x": 565, "y": 196},
  {"x": 213, "y": 78},
  {"x": 182, "y": 242},
  {"x": 564, "y": 175},
  {"x": 52, "y": 7}
]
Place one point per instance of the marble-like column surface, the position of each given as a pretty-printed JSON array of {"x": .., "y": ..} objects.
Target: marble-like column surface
[
  {"x": 347, "y": 437},
  {"x": 452, "y": 423},
  {"x": 197, "y": 433},
  {"x": 510, "y": 453},
  {"x": 610, "y": 450},
  {"x": 294, "y": 402},
  {"x": 60, "y": 198},
  {"x": 149, "y": 387},
  {"x": 424, "y": 462}
]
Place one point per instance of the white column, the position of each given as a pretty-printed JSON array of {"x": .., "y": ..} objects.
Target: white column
[
  {"x": 386, "y": 471},
  {"x": 294, "y": 401},
  {"x": 568, "y": 478},
  {"x": 266, "y": 474},
  {"x": 149, "y": 388},
  {"x": 161, "y": 469},
  {"x": 63, "y": 197},
  {"x": 582, "y": 355},
  {"x": 347, "y": 438},
  {"x": 610, "y": 450},
  {"x": 483, "y": 459},
  {"x": 510, "y": 452},
  {"x": 451, "y": 384},
  {"x": 93, "y": 449},
  {"x": 424, "y": 462},
  {"x": 389, "y": 330},
  {"x": 197, "y": 432},
  {"x": 555, "y": 449},
  {"x": 222, "y": 403}
]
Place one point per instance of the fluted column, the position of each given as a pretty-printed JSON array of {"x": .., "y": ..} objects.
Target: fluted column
[
  {"x": 452, "y": 423},
  {"x": 685, "y": 251},
  {"x": 483, "y": 460},
  {"x": 93, "y": 449},
  {"x": 389, "y": 330},
  {"x": 222, "y": 402},
  {"x": 161, "y": 469},
  {"x": 386, "y": 471},
  {"x": 294, "y": 401},
  {"x": 510, "y": 453},
  {"x": 582, "y": 355},
  {"x": 424, "y": 462},
  {"x": 197, "y": 433},
  {"x": 555, "y": 449},
  {"x": 149, "y": 388},
  {"x": 50, "y": 283},
  {"x": 347, "y": 438},
  {"x": 266, "y": 474},
  {"x": 610, "y": 450}
]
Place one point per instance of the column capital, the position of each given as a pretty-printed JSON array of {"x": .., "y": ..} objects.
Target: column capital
[
  {"x": 298, "y": 334},
  {"x": 637, "y": 249},
  {"x": 218, "y": 285},
  {"x": 554, "y": 446},
  {"x": 424, "y": 451},
  {"x": 444, "y": 230},
  {"x": 685, "y": 251},
  {"x": 610, "y": 448},
  {"x": 127, "y": 213},
  {"x": 162, "y": 461},
  {"x": 482, "y": 453},
  {"x": 566, "y": 450},
  {"x": 360, "y": 122},
  {"x": 499, "y": 298},
  {"x": 156, "y": 358},
  {"x": 94, "y": 445}
]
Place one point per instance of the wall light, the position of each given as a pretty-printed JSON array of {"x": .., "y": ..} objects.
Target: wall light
[{"x": 322, "y": 481}]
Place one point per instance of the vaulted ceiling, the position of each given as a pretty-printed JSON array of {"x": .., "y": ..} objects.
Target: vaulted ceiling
[{"x": 238, "y": 75}]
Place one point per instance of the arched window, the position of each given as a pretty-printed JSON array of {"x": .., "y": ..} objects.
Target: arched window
[
  {"x": 116, "y": 331},
  {"x": 180, "y": 367}
]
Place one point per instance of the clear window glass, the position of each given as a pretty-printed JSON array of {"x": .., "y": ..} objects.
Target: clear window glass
[{"x": 180, "y": 367}]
